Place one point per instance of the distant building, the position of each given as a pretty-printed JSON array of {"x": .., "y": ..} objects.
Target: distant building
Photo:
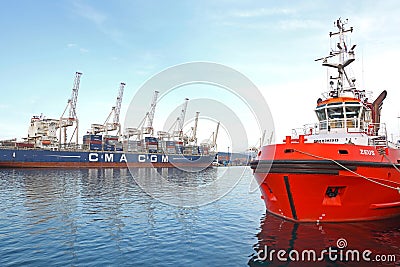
[{"x": 236, "y": 159}]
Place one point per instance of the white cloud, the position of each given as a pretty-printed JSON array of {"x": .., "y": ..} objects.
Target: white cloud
[
  {"x": 83, "y": 50},
  {"x": 100, "y": 20},
  {"x": 76, "y": 46},
  {"x": 261, "y": 12},
  {"x": 88, "y": 12}
]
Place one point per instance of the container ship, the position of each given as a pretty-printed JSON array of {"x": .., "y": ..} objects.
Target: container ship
[
  {"x": 342, "y": 168},
  {"x": 105, "y": 145}
]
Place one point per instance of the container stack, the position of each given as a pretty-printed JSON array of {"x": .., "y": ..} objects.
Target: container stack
[
  {"x": 133, "y": 146},
  {"x": 179, "y": 147},
  {"x": 93, "y": 141},
  {"x": 110, "y": 142},
  {"x": 151, "y": 144},
  {"x": 170, "y": 147},
  {"x": 118, "y": 146}
]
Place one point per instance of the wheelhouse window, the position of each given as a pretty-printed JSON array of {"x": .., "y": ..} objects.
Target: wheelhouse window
[
  {"x": 335, "y": 113},
  {"x": 321, "y": 114},
  {"x": 352, "y": 112}
]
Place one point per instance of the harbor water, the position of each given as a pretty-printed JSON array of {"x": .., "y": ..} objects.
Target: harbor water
[{"x": 101, "y": 217}]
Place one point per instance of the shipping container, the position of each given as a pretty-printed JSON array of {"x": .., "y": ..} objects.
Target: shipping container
[
  {"x": 171, "y": 150},
  {"x": 151, "y": 139},
  {"x": 95, "y": 147},
  {"x": 110, "y": 139},
  {"x": 92, "y": 137},
  {"x": 109, "y": 148},
  {"x": 133, "y": 146},
  {"x": 179, "y": 149},
  {"x": 170, "y": 143}
]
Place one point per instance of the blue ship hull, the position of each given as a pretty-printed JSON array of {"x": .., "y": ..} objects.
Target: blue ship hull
[{"x": 37, "y": 158}]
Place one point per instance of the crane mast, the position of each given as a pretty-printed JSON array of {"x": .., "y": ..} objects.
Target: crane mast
[
  {"x": 214, "y": 143},
  {"x": 183, "y": 114},
  {"x": 177, "y": 127},
  {"x": 72, "y": 116},
  {"x": 193, "y": 137},
  {"x": 149, "y": 118},
  {"x": 74, "y": 97},
  {"x": 116, "y": 110},
  {"x": 196, "y": 120}
]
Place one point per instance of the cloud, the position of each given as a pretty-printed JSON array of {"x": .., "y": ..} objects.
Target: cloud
[
  {"x": 76, "y": 46},
  {"x": 89, "y": 13},
  {"x": 83, "y": 50},
  {"x": 261, "y": 12},
  {"x": 100, "y": 20}
]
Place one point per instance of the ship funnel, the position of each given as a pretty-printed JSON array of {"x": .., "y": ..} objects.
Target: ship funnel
[{"x": 377, "y": 104}]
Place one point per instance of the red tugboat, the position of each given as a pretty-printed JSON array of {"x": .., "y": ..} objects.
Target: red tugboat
[{"x": 341, "y": 169}]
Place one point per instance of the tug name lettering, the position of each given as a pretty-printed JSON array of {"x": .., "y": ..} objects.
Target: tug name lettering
[{"x": 367, "y": 152}]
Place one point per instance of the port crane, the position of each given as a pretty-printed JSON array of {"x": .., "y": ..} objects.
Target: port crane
[
  {"x": 176, "y": 128},
  {"x": 148, "y": 128},
  {"x": 146, "y": 125},
  {"x": 115, "y": 124},
  {"x": 72, "y": 119},
  {"x": 215, "y": 136},
  {"x": 192, "y": 135}
]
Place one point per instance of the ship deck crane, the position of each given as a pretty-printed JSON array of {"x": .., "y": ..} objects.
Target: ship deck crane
[
  {"x": 115, "y": 112},
  {"x": 177, "y": 127},
  {"x": 215, "y": 135},
  {"x": 193, "y": 134},
  {"x": 72, "y": 118},
  {"x": 146, "y": 125}
]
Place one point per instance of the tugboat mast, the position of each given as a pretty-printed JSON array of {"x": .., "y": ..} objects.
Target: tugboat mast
[{"x": 346, "y": 57}]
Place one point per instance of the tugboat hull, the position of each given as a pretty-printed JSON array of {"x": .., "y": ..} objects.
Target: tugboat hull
[{"x": 311, "y": 183}]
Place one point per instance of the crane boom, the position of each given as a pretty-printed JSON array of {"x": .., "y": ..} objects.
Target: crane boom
[
  {"x": 117, "y": 109},
  {"x": 72, "y": 116},
  {"x": 176, "y": 128},
  {"x": 74, "y": 97},
  {"x": 193, "y": 135},
  {"x": 183, "y": 114},
  {"x": 216, "y": 135},
  {"x": 196, "y": 120},
  {"x": 152, "y": 111}
]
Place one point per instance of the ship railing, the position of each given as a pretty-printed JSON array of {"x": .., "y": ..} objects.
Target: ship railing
[
  {"x": 351, "y": 125},
  {"x": 377, "y": 134},
  {"x": 307, "y": 129}
]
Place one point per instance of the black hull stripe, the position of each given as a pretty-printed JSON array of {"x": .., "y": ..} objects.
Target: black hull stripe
[
  {"x": 298, "y": 171},
  {"x": 317, "y": 164},
  {"x": 290, "y": 197}
]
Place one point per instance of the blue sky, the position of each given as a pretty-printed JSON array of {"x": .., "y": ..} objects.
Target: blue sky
[{"x": 274, "y": 43}]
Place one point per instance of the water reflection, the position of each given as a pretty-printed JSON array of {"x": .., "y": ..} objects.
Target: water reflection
[{"x": 380, "y": 237}]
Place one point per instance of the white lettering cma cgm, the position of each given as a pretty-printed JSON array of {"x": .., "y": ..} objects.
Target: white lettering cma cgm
[{"x": 94, "y": 157}]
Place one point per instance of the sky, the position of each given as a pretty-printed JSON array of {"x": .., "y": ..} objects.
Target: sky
[{"x": 273, "y": 43}]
